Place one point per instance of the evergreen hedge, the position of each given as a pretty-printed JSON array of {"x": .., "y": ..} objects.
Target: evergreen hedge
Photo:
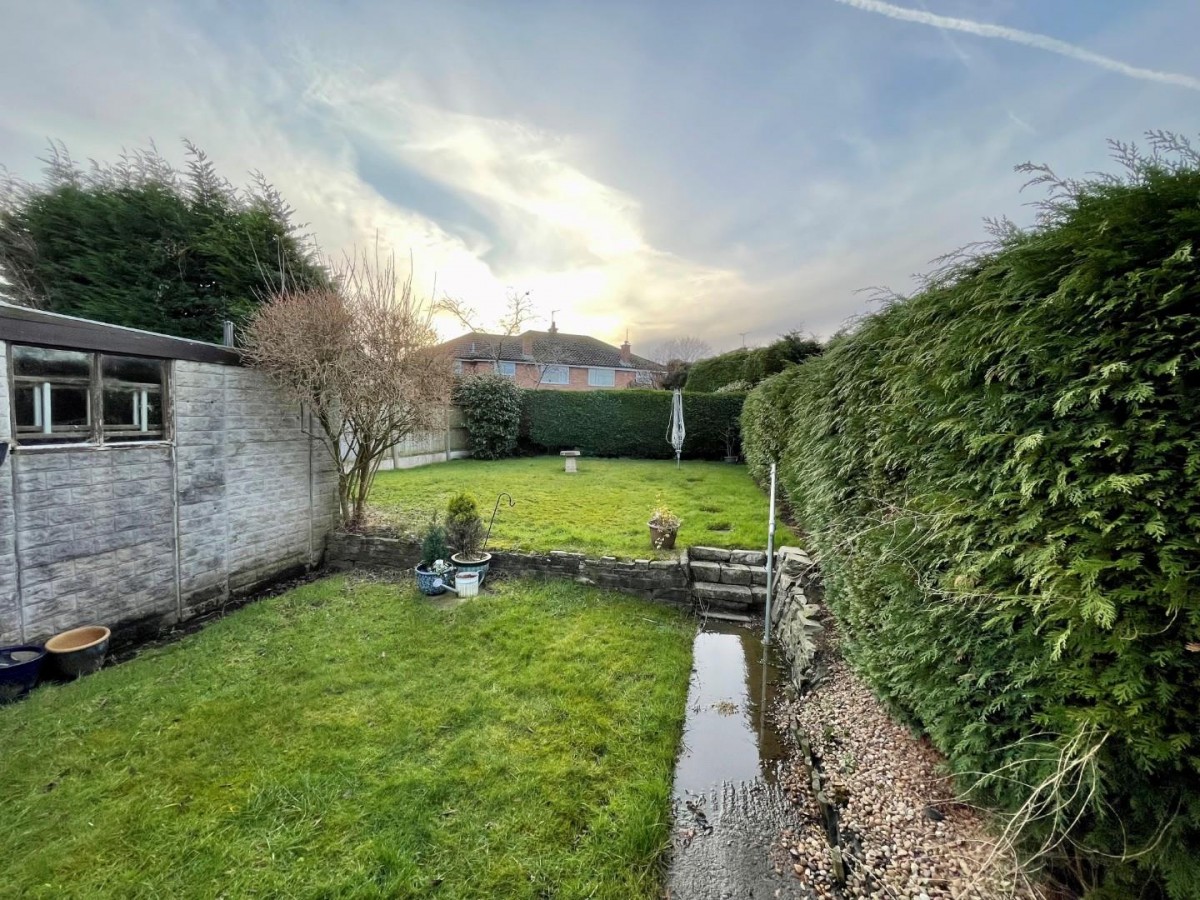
[
  {"x": 628, "y": 423},
  {"x": 999, "y": 475},
  {"x": 750, "y": 366}
]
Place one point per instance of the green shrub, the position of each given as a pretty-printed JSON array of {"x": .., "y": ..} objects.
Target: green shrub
[
  {"x": 491, "y": 405},
  {"x": 433, "y": 543},
  {"x": 749, "y": 367},
  {"x": 999, "y": 475},
  {"x": 706, "y": 375},
  {"x": 627, "y": 423},
  {"x": 464, "y": 526}
]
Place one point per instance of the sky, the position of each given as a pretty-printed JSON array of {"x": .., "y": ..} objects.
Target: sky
[{"x": 657, "y": 169}]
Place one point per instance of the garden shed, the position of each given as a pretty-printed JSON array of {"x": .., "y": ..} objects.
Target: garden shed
[{"x": 145, "y": 479}]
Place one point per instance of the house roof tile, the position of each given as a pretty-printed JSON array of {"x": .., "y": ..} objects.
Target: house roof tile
[{"x": 549, "y": 348}]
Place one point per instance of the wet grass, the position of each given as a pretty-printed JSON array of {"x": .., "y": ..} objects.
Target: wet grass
[
  {"x": 349, "y": 739},
  {"x": 601, "y": 510}
]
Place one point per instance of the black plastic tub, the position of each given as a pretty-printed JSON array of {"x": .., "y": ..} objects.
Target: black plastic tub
[{"x": 20, "y": 667}]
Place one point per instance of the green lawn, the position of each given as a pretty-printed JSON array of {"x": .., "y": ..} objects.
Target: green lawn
[
  {"x": 601, "y": 510},
  {"x": 349, "y": 739}
]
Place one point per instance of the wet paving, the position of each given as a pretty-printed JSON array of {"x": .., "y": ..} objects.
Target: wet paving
[{"x": 728, "y": 807}]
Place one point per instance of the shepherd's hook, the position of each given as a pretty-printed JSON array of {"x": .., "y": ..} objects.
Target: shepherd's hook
[{"x": 496, "y": 509}]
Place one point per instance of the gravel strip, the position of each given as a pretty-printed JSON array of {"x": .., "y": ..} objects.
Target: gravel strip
[{"x": 902, "y": 831}]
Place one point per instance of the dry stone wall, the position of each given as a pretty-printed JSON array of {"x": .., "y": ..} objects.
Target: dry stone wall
[
  {"x": 708, "y": 578},
  {"x": 794, "y": 612}
]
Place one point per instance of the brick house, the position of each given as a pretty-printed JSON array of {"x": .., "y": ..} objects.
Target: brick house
[{"x": 553, "y": 360}]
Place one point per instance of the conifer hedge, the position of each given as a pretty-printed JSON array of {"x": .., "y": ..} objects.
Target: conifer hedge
[
  {"x": 750, "y": 365},
  {"x": 628, "y": 423},
  {"x": 1000, "y": 476}
]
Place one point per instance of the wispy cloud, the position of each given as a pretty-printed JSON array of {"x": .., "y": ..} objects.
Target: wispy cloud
[
  {"x": 1026, "y": 38},
  {"x": 625, "y": 181},
  {"x": 574, "y": 241}
]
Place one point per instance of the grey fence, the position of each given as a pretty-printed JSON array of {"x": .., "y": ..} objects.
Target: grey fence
[{"x": 447, "y": 441}]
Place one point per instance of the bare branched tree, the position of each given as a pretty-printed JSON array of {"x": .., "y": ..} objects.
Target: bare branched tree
[
  {"x": 518, "y": 314},
  {"x": 359, "y": 357},
  {"x": 686, "y": 349}
]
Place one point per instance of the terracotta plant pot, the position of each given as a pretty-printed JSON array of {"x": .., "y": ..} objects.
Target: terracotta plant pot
[
  {"x": 19, "y": 669},
  {"x": 662, "y": 538},
  {"x": 80, "y": 651},
  {"x": 479, "y": 566}
]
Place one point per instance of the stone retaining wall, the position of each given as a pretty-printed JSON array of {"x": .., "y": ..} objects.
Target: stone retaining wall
[
  {"x": 665, "y": 581},
  {"x": 707, "y": 577},
  {"x": 794, "y": 613}
]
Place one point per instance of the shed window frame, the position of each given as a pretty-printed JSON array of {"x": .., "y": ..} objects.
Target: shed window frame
[{"x": 103, "y": 426}]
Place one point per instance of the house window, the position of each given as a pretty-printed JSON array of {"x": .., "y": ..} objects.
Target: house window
[
  {"x": 556, "y": 375},
  {"x": 602, "y": 377},
  {"x": 507, "y": 369},
  {"x": 73, "y": 397},
  {"x": 458, "y": 367}
]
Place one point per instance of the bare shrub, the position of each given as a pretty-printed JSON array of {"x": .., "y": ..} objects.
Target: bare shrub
[{"x": 359, "y": 356}]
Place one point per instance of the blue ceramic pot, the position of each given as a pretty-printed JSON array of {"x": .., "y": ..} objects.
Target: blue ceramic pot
[
  {"x": 430, "y": 583},
  {"x": 20, "y": 667}
]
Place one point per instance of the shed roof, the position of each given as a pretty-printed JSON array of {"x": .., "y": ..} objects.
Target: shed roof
[{"x": 35, "y": 326}]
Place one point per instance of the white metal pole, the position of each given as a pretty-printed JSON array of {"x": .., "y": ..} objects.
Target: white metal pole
[
  {"x": 47, "y": 417},
  {"x": 770, "y": 557}
]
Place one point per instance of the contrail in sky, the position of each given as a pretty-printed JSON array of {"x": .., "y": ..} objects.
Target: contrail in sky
[{"x": 1027, "y": 38}]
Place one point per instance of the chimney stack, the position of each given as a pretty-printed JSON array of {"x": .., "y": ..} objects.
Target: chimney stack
[
  {"x": 553, "y": 324},
  {"x": 626, "y": 353},
  {"x": 527, "y": 344}
]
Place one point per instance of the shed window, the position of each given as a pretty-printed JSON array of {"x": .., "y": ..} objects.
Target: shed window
[
  {"x": 52, "y": 398},
  {"x": 132, "y": 388},
  {"x": 71, "y": 396},
  {"x": 602, "y": 377},
  {"x": 556, "y": 375}
]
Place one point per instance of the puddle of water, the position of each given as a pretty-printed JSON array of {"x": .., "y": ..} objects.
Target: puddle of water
[{"x": 727, "y": 734}]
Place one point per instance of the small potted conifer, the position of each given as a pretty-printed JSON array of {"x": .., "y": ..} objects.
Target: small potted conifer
[
  {"x": 434, "y": 571},
  {"x": 464, "y": 529}
]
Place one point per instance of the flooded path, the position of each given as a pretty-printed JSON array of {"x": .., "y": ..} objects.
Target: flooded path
[{"x": 728, "y": 807}]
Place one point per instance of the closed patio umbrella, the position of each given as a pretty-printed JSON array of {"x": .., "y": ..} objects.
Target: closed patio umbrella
[{"x": 676, "y": 431}]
